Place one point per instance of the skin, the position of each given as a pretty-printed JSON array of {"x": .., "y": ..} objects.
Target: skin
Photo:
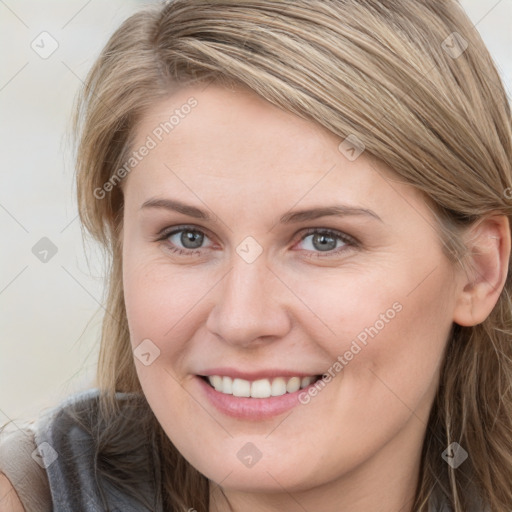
[
  {"x": 9, "y": 500},
  {"x": 358, "y": 442}
]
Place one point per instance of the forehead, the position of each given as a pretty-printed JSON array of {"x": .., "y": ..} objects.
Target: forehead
[
  {"x": 214, "y": 141},
  {"x": 230, "y": 124}
]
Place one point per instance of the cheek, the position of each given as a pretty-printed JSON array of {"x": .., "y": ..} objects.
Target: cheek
[
  {"x": 384, "y": 335},
  {"x": 399, "y": 342},
  {"x": 157, "y": 302},
  {"x": 159, "y": 299},
  {"x": 342, "y": 309}
]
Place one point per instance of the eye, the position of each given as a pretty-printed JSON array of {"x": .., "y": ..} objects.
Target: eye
[
  {"x": 318, "y": 243},
  {"x": 183, "y": 240},
  {"x": 326, "y": 241}
]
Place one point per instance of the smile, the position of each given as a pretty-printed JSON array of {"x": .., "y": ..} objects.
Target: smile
[{"x": 261, "y": 388}]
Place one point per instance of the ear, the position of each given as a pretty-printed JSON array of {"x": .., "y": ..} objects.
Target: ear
[{"x": 486, "y": 267}]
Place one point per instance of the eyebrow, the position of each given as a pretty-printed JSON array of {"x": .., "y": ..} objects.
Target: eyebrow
[{"x": 288, "y": 218}]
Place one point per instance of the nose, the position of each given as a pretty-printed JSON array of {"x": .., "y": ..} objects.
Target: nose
[{"x": 249, "y": 305}]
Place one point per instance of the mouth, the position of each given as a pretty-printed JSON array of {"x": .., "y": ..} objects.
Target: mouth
[{"x": 260, "y": 388}]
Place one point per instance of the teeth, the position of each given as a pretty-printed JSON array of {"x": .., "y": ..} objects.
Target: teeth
[
  {"x": 241, "y": 388},
  {"x": 278, "y": 386},
  {"x": 216, "y": 382},
  {"x": 227, "y": 385},
  {"x": 306, "y": 381},
  {"x": 293, "y": 385},
  {"x": 262, "y": 388}
]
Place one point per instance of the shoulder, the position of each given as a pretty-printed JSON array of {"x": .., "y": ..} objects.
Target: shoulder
[
  {"x": 23, "y": 482},
  {"x": 84, "y": 419},
  {"x": 9, "y": 500},
  {"x": 87, "y": 449},
  {"x": 98, "y": 453},
  {"x": 27, "y": 452}
]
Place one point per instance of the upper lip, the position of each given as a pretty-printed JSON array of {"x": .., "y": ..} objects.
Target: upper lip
[{"x": 255, "y": 375}]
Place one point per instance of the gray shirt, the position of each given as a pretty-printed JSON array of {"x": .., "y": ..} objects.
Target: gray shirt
[{"x": 59, "y": 453}]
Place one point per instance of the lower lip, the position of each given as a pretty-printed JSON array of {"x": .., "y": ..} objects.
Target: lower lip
[{"x": 251, "y": 408}]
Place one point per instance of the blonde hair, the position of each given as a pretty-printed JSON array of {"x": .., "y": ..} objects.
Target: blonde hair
[{"x": 396, "y": 75}]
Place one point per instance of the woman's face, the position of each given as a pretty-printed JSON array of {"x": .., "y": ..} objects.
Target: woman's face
[{"x": 257, "y": 249}]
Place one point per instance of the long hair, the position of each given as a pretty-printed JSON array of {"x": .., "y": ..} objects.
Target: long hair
[{"x": 413, "y": 81}]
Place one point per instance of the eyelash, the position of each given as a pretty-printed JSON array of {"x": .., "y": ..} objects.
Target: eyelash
[{"x": 349, "y": 241}]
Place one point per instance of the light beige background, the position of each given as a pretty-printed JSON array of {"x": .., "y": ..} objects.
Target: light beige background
[{"x": 50, "y": 313}]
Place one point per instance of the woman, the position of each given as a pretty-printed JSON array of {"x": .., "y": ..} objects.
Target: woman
[{"x": 307, "y": 209}]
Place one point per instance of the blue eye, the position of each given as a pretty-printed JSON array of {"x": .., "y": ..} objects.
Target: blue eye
[
  {"x": 188, "y": 241},
  {"x": 190, "y": 238},
  {"x": 327, "y": 241}
]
